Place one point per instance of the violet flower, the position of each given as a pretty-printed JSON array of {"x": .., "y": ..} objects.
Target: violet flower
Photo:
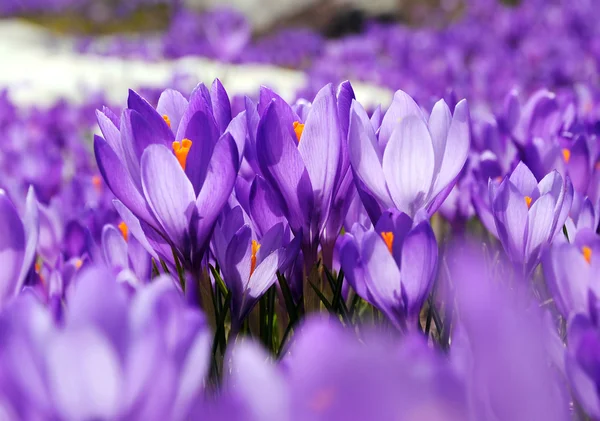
[
  {"x": 171, "y": 167},
  {"x": 571, "y": 272},
  {"x": 114, "y": 356},
  {"x": 300, "y": 158},
  {"x": 410, "y": 162},
  {"x": 528, "y": 214},
  {"x": 392, "y": 266},
  {"x": 249, "y": 263}
]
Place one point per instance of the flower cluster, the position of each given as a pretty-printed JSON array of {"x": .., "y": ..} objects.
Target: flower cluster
[{"x": 198, "y": 257}]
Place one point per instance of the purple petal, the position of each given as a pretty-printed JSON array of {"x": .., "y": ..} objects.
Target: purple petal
[
  {"x": 439, "y": 124},
  {"x": 524, "y": 180},
  {"x": 351, "y": 263},
  {"x": 111, "y": 133},
  {"x": 203, "y": 133},
  {"x": 364, "y": 155},
  {"x": 510, "y": 211},
  {"x": 173, "y": 105},
  {"x": 169, "y": 193},
  {"x": 238, "y": 127},
  {"x": 265, "y": 207},
  {"x": 320, "y": 148},
  {"x": 12, "y": 248},
  {"x": 157, "y": 127},
  {"x": 84, "y": 375},
  {"x": 31, "y": 225},
  {"x": 134, "y": 226},
  {"x": 419, "y": 260},
  {"x": 282, "y": 164},
  {"x": 456, "y": 148},
  {"x": 578, "y": 166},
  {"x": 114, "y": 247},
  {"x": 402, "y": 106},
  {"x": 199, "y": 101},
  {"x": 221, "y": 105},
  {"x": 408, "y": 163},
  {"x": 218, "y": 185},
  {"x": 539, "y": 225}
]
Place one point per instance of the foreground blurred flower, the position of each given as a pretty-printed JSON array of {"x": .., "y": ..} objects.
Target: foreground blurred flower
[
  {"x": 513, "y": 369},
  {"x": 529, "y": 215},
  {"x": 581, "y": 361},
  {"x": 114, "y": 356},
  {"x": 171, "y": 167},
  {"x": 18, "y": 243},
  {"x": 392, "y": 266},
  {"x": 410, "y": 163}
]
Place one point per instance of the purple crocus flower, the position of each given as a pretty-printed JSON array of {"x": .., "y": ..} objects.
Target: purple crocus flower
[
  {"x": 18, "y": 244},
  {"x": 249, "y": 263},
  {"x": 171, "y": 167},
  {"x": 300, "y": 159},
  {"x": 392, "y": 266},
  {"x": 117, "y": 354},
  {"x": 410, "y": 162},
  {"x": 571, "y": 272},
  {"x": 528, "y": 214}
]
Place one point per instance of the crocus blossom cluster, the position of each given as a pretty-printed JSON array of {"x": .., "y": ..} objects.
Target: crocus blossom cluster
[{"x": 254, "y": 258}]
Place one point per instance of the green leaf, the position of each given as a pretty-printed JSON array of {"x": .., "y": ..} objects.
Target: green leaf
[
  {"x": 290, "y": 307},
  {"x": 326, "y": 303}
]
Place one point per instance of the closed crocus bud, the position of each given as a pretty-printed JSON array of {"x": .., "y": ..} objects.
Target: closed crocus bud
[
  {"x": 391, "y": 266},
  {"x": 411, "y": 162},
  {"x": 528, "y": 215}
]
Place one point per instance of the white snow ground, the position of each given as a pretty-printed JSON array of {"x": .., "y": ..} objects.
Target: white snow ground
[{"x": 40, "y": 67}]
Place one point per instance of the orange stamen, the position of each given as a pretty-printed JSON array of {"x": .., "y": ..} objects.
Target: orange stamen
[
  {"x": 181, "y": 150},
  {"x": 566, "y": 155},
  {"x": 587, "y": 253},
  {"x": 528, "y": 200},
  {"x": 124, "y": 230},
  {"x": 255, "y": 247},
  {"x": 78, "y": 263},
  {"x": 388, "y": 237},
  {"x": 167, "y": 120},
  {"x": 97, "y": 183},
  {"x": 298, "y": 129},
  {"x": 38, "y": 267}
]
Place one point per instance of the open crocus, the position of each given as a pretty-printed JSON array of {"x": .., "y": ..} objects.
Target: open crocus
[
  {"x": 171, "y": 167},
  {"x": 528, "y": 214},
  {"x": 18, "y": 244},
  {"x": 410, "y": 162},
  {"x": 300, "y": 159},
  {"x": 392, "y": 266},
  {"x": 249, "y": 264},
  {"x": 571, "y": 271}
]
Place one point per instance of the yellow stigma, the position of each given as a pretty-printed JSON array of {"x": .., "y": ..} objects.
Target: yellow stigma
[
  {"x": 124, "y": 230},
  {"x": 528, "y": 200},
  {"x": 78, "y": 263},
  {"x": 587, "y": 253},
  {"x": 181, "y": 150},
  {"x": 388, "y": 237},
  {"x": 255, "y": 247},
  {"x": 298, "y": 129},
  {"x": 566, "y": 155},
  {"x": 167, "y": 120},
  {"x": 97, "y": 183}
]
